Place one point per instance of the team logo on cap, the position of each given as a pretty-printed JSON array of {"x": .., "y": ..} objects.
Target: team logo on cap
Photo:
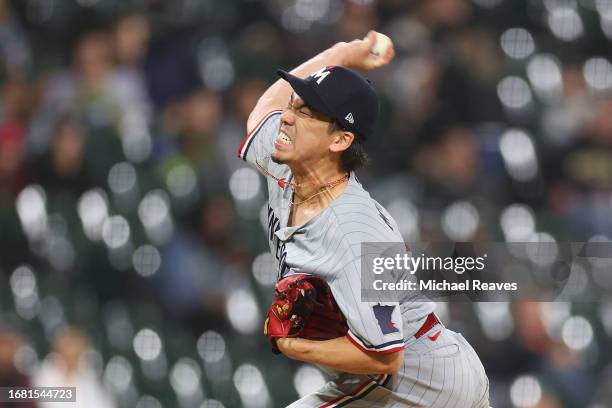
[
  {"x": 349, "y": 118},
  {"x": 321, "y": 74}
]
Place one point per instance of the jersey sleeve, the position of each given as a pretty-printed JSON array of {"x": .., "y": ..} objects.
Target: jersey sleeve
[
  {"x": 373, "y": 326},
  {"x": 259, "y": 143}
]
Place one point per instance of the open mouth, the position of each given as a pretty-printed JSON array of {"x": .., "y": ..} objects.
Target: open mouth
[{"x": 283, "y": 139}]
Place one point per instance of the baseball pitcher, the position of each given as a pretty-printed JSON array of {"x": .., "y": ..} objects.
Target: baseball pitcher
[{"x": 306, "y": 135}]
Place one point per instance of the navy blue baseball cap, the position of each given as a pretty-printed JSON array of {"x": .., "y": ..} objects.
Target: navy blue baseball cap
[{"x": 340, "y": 93}]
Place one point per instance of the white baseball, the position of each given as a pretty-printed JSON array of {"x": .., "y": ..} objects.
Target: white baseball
[{"x": 381, "y": 45}]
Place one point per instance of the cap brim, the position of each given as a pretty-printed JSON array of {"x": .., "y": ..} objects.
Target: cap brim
[{"x": 306, "y": 92}]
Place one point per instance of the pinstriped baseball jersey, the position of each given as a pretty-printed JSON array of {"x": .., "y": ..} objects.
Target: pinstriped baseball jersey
[{"x": 329, "y": 246}]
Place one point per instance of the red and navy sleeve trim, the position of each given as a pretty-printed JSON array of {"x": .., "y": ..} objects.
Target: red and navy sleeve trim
[
  {"x": 243, "y": 149},
  {"x": 388, "y": 347}
]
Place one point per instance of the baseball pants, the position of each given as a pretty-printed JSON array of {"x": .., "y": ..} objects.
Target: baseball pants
[{"x": 440, "y": 371}]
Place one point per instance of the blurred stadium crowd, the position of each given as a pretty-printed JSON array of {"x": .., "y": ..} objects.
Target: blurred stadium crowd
[{"x": 133, "y": 260}]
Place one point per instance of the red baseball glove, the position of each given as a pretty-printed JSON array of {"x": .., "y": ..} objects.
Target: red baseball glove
[{"x": 303, "y": 306}]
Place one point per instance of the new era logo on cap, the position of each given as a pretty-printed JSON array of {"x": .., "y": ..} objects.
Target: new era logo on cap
[{"x": 349, "y": 118}]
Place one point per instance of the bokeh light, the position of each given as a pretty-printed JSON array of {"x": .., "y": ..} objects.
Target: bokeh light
[
  {"x": 115, "y": 231},
  {"x": 122, "y": 178},
  {"x": 247, "y": 321},
  {"x": 146, "y": 260},
  {"x": 248, "y": 380},
  {"x": 181, "y": 181},
  {"x": 31, "y": 208},
  {"x": 293, "y": 22},
  {"x": 154, "y": 214},
  {"x": 514, "y": 92},
  {"x": 185, "y": 377},
  {"x": 565, "y": 23},
  {"x": 544, "y": 73},
  {"x": 244, "y": 184},
  {"x": 25, "y": 292},
  {"x": 517, "y": 43},
  {"x": 603, "y": 7},
  {"x": 118, "y": 374},
  {"x": 211, "y": 346},
  {"x": 154, "y": 209},
  {"x": 598, "y": 73},
  {"x": 147, "y": 344},
  {"x": 312, "y": 10},
  {"x": 517, "y": 222},
  {"x": 519, "y": 154},
  {"x": 495, "y": 319},
  {"x": 216, "y": 68},
  {"x": 93, "y": 211},
  {"x": 460, "y": 221},
  {"x": 543, "y": 249},
  {"x": 135, "y": 136},
  {"x": 307, "y": 379},
  {"x": 26, "y": 360},
  {"x": 577, "y": 333},
  {"x": 525, "y": 392},
  {"x": 264, "y": 270},
  {"x": 23, "y": 282}
]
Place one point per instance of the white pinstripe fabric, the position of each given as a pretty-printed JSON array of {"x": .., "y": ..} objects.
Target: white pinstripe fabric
[{"x": 441, "y": 374}]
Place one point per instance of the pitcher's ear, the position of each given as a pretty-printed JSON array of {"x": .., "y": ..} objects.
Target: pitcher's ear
[{"x": 342, "y": 141}]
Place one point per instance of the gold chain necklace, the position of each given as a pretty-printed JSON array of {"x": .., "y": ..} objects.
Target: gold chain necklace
[
  {"x": 325, "y": 188},
  {"x": 282, "y": 183}
]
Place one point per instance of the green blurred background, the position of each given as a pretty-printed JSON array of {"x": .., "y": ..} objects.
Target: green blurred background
[{"x": 133, "y": 257}]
